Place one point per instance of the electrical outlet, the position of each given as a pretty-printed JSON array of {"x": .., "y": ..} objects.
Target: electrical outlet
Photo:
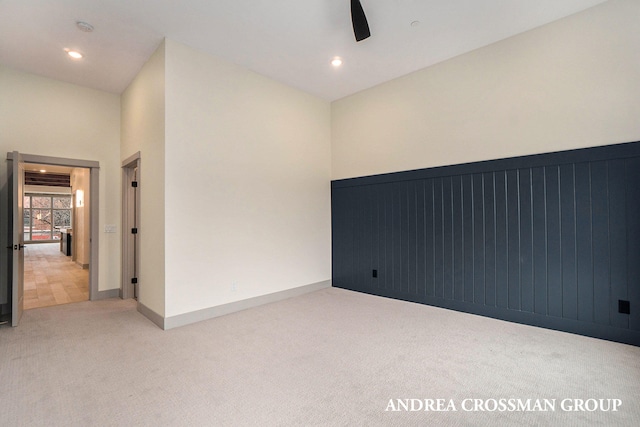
[
  {"x": 234, "y": 287},
  {"x": 109, "y": 228},
  {"x": 624, "y": 307}
]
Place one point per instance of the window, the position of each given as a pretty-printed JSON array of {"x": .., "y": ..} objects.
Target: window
[{"x": 45, "y": 215}]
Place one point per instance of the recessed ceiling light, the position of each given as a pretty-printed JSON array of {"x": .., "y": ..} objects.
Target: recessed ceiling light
[
  {"x": 415, "y": 23},
  {"x": 336, "y": 62},
  {"x": 74, "y": 54}
]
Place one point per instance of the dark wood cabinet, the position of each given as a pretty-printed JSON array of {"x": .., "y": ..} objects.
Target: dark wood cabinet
[{"x": 65, "y": 242}]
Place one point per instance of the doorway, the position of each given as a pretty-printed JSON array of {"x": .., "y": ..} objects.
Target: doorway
[
  {"x": 21, "y": 162},
  {"x": 56, "y": 206}
]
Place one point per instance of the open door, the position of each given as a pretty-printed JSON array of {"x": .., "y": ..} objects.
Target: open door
[
  {"x": 130, "y": 226},
  {"x": 17, "y": 294}
]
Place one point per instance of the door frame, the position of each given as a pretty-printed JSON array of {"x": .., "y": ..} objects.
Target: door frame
[
  {"x": 94, "y": 211},
  {"x": 130, "y": 219}
]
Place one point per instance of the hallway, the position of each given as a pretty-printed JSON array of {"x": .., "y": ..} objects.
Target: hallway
[{"x": 51, "y": 278}]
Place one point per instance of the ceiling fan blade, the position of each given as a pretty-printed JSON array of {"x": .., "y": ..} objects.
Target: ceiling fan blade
[{"x": 359, "y": 20}]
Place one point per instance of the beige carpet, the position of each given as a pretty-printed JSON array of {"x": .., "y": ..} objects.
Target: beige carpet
[{"x": 332, "y": 358}]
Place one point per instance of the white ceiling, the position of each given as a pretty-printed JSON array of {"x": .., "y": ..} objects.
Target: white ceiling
[{"x": 291, "y": 41}]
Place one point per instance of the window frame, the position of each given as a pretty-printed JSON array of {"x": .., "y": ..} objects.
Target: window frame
[{"x": 51, "y": 209}]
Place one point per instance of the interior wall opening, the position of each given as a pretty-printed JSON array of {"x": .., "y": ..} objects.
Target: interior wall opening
[{"x": 57, "y": 235}]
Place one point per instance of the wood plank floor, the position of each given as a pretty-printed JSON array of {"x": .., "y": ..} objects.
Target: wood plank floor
[{"x": 51, "y": 278}]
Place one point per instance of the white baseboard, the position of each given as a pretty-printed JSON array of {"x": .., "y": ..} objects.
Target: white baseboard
[
  {"x": 221, "y": 310},
  {"x": 109, "y": 293},
  {"x": 151, "y": 315}
]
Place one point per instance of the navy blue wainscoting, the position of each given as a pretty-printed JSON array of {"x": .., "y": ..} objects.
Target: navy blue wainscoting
[{"x": 550, "y": 240}]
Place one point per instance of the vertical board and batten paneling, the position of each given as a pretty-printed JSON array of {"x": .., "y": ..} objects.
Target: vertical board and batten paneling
[{"x": 550, "y": 240}]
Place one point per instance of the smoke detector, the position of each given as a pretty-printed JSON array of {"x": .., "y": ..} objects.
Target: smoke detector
[{"x": 84, "y": 26}]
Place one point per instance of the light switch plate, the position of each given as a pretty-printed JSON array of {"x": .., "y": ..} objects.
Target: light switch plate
[{"x": 110, "y": 228}]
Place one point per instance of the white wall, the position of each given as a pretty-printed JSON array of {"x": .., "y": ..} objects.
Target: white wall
[
  {"x": 247, "y": 184},
  {"x": 143, "y": 130},
  {"x": 46, "y": 117},
  {"x": 570, "y": 84}
]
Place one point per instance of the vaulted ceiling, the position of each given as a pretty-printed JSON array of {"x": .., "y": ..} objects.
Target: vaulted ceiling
[{"x": 291, "y": 41}]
